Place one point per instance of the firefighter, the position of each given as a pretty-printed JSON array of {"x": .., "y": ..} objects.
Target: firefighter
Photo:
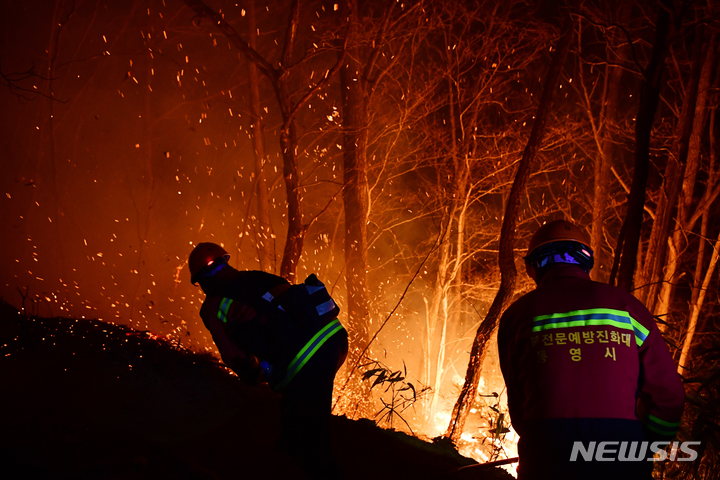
[
  {"x": 584, "y": 363},
  {"x": 265, "y": 339}
]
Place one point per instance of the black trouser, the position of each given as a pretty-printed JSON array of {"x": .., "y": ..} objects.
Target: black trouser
[
  {"x": 305, "y": 410},
  {"x": 545, "y": 450}
]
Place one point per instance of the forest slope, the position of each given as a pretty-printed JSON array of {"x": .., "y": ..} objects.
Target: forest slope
[{"x": 84, "y": 399}]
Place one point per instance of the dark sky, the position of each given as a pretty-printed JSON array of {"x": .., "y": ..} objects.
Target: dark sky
[{"x": 143, "y": 152}]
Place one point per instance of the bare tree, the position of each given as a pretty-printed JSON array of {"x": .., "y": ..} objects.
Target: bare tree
[
  {"x": 506, "y": 257},
  {"x": 358, "y": 78},
  {"x": 672, "y": 182},
  {"x": 688, "y": 210},
  {"x": 627, "y": 246},
  {"x": 600, "y": 100},
  {"x": 265, "y": 237},
  {"x": 464, "y": 125},
  {"x": 280, "y": 81}
]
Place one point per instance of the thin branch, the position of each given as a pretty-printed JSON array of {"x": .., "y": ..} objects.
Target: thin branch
[
  {"x": 290, "y": 33},
  {"x": 11, "y": 83},
  {"x": 328, "y": 75},
  {"x": 627, "y": 190},
  {"x": 231, "y": 34},
  {"x": 332, "y": 199},
  {"x": 397, "y": 305},
  {"x": 641, "y": 69}
]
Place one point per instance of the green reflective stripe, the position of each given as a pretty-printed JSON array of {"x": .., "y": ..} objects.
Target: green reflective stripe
[
  {"x": 224, "y": 308},
  {"x": 592, "y": 317},
  {"x": 309, "y": 350},
  {"x": 667, "y": 431},
  {"x": 662, "y": 422},
  {"x": 588, "y": 311},
  {"x": 314, "y": 344},
  {"x": 582, "y": 323},
  {"x": 641, "y": 332}
]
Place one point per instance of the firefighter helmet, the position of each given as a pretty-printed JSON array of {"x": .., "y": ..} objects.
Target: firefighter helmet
[
  {"x": 559, "y": 242},
  {"x": 557, "y": 231},
  {"x": 204, "y": 255}
]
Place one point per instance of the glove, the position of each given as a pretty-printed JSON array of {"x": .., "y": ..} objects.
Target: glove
[{"x": 248, "y": 370}]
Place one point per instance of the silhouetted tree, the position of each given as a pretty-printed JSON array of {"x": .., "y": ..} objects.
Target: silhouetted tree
[
  {"x": 284, "y": 94},
  {"x": 506, "y": 256}
]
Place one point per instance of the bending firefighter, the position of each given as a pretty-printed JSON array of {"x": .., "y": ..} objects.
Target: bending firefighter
[
  {"x": 286, "y": 335},
  {"x": 584, "y": 363}
]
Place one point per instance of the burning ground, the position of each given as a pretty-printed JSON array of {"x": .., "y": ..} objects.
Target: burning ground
[{"x": 88, "y": 399}]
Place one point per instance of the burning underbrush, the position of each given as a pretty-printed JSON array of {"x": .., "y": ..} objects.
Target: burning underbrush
[
  {"x": 402, "y": 403},
  {"x": 89, "y": 399}
]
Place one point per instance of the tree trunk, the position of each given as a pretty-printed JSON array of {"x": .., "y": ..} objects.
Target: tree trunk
[
  {"x": 454, "y": 213},
  {"x": 506, "y": 256},
  {"x": 627, "y": 247},
  {"x": 355, "y": 191},
  {"x": 686, "y": 218},
  {"x": 278, "y": 77},
  {"x": 288, "y": 145},
  {"x": 46, "y": 172},
  {"x": 670, "y": 190},
  {"x": 296, "y": 230},
  {"x": 438, "y": 293},
  {"x": 606, "y": 146},
  {"x": 358, "y": 77},
  {"x": 683, "y": 364},
  {"x": 264, "y": 237}
]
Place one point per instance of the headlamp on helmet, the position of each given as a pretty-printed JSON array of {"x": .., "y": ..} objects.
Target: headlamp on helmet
[{"x": 206, "y": 260}]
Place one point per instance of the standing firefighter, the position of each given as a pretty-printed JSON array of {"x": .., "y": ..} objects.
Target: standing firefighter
[
  {"x": 286, "y": 335},
  {"x": 584, "y": 363}
]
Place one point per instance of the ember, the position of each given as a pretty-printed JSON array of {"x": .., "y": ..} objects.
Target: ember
[{"x": 405, "y": 152}]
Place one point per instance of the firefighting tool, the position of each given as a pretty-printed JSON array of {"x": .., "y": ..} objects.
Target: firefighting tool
[
  {"x": 559, "y": 242},
  {"x": 206, "y": 260}
]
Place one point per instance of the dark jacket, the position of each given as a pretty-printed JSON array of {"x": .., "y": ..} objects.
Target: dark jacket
[
  {"x": 244, "y": 332},
  {"x": 585, "y": 361}
]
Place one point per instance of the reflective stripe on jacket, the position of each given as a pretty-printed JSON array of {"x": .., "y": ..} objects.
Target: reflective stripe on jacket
[
  {"x": 578, "y": 349},
  {"x": 244, "y": 323}
]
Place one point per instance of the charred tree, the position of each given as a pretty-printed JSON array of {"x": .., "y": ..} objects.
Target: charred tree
[
  {"x": 264, "y": 237},
  {"x": 506, "y": 255},
  {"x": 672, "y": 183},
  {"x": 700, "y": 283},
  {"x": 355, "y": 183},
  {"x": 627, "y": 245},
  {"x": 603, "y": 113},
  {"x": 687, "y": 212},
  {"x": 360, "y": 75},
  {"x": 279, "y": 79},
  {"x": 47, "y": 163},
  {"x": 690, "y": 209}
]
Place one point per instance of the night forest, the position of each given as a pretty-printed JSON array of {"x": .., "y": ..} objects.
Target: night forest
[{"x": 404, "y": 152}]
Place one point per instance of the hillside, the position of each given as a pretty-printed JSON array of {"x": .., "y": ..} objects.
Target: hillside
[{"x": 84, "y": 399}]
